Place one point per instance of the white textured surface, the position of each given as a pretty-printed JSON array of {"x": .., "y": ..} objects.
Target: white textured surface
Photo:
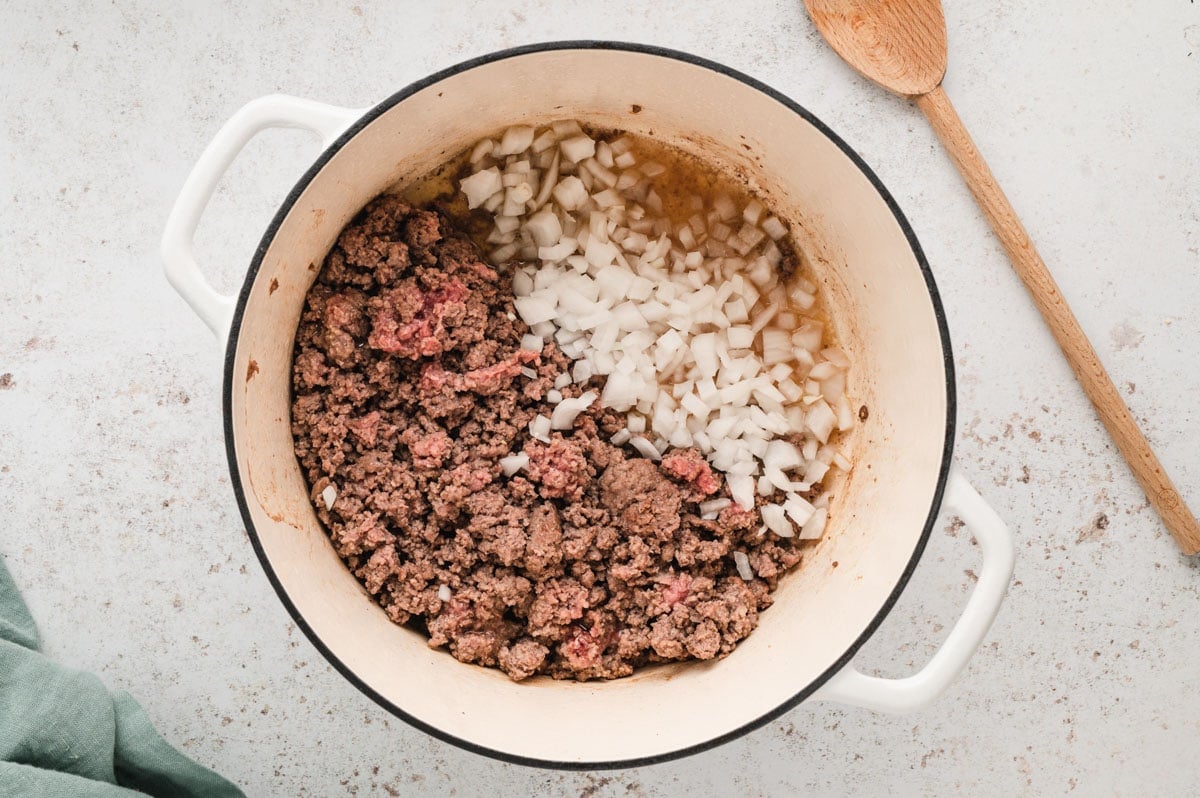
[{"x": 121, "y": 527}]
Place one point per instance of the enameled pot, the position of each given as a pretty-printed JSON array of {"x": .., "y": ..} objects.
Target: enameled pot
[{"x": 885, "y": 311}]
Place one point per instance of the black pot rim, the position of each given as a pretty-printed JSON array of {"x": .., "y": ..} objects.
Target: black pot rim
[{"x": 378, "y": 110}]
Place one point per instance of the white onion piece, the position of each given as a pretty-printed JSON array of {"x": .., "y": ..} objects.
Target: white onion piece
[
  {"x": 522, "y": 283},
  {"x": 570, "y": 193},
  {"x": 798, "y": 509},
  {"x": 482, "y": 150},
  {"x": 741, "y": 488},
  {"x": 742, "y": 562},
  {"x": 694, "y": 405},
  {"x": 783, "y": 455},
  {"x": 566, "y": 411},
  {"x": 752, "y": 212},
  {"x": 492, "y": 204},
  {"x": 513, "y": 463},
  {"x": 820, "y": 420},
  {"x": 548, "y": 184},
  {"x": 803, "y": 300},
  {"x": 822, "y": 371},
  {"x": 815, "y": 526},
  {"x": 544, "y": 141},
  {"x": 773, "y": 516},
  {"x": 545, "y": 228},
  {"x": 808, "y": 336},
  {"x": 532, "y": 343},
  {"x": 565, "y": 127},
  {"x": 515, "y": 140},
  {"x": 645, "y": 448},
  {"x": 763, "y": 319},
  {"x": 329, "y": 496},
  {"x": 561, "y": 250},
  {"x": 578, "y": 149},
  {"x": 740, "y": 336},
  {"x": 836, "y": 356},
  {"x": 845, "y": 415},
  {"x": 777, "y": 347},
  {"x": 815, "y": 472},
  {"x": 444, "y": 593},
  {"x": 534, "y": 309},
  {"x": 777, "y": 479},
  {"x": 481, "y": 186},
  {"x": 507, "y": 224},
  {"x": 539, "y": 429},
  {"x": 581, "y": 372},
  {"x": 704, "y": 350},
  {"x": 774, "y": 228}
]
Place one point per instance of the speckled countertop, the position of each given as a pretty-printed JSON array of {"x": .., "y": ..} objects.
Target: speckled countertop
[{"x": 120, "y": 524}]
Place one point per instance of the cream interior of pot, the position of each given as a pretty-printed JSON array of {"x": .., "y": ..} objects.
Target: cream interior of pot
[{"x": 882, "y": 314}]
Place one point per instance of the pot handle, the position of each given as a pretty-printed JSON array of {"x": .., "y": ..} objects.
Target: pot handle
[
  {"x": 850, "y": 686},
  {"x": 179, "y": 264}
]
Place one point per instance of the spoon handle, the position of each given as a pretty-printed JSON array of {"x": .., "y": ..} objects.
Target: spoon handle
[{"x": 1070, "y": 336}]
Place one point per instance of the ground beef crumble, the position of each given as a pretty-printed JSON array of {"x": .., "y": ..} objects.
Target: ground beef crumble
[{"x": 409, "y": 386}]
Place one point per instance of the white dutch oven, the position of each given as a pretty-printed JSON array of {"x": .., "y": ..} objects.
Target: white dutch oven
[{"x": 885, "y": 311}]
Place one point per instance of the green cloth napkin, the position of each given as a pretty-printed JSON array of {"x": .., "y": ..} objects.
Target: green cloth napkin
[{"x": 64, "y": 735}]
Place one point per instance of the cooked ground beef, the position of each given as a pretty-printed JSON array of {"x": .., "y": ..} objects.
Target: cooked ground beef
[{"x": 409, "y": 386}]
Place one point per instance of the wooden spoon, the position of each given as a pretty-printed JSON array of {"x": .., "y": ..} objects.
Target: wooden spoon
[{"x": 901, "y": 45}]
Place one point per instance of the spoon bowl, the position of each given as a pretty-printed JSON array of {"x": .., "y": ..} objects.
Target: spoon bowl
[{"x": 899, "y": 44}]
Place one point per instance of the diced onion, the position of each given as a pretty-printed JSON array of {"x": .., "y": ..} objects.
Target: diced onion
[
  {"x": 714, "y": 505},
  {"x": 774, "y": 228},
  {"x": 820, "y": 420},
  {"x": 539, "y": 429},
  {"x": 798, "y": 509},
  {"x": 566, "y": 411},
  {"x": 773, "y": 516},
  {"x": 513, "y": 463},
  {"x": 545, "y": 228},
  {"x": 645, "y": 448},
  {"x": 742, "y": 562},
  {"x": 515, "y": 140},
  {"x": 578, "y": 149},
  {"x": 534, "y": 310},
  {"x": 815, "y": 526},
  {"x": 741, "y": 488},
  {"x": 480, "y": 186},
  {"x": 570, "y": 193}
]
